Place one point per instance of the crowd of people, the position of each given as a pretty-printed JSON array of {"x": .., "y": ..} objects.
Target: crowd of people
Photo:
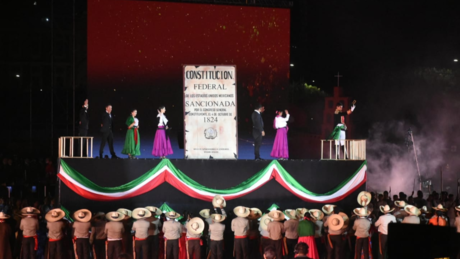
[{"x": 47, "y": 231}]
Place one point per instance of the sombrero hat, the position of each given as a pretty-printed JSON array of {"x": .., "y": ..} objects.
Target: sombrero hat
[
  {"x": 206, "y": 213},
  {"x": 99, "y": 215},
  {"x": 195, "y": 225},
  {"x": 276, "y": 215},
  {"x": 54, "y": 215},
  {"x": 291, "y": 214},
  {"x": 386, "y": 209},
  {"x": 364, "y": 198},
  {"x": 255, "y": 213},
  {"x": 457, "y": 208},
  {"x": 115, "y": 216},
  {"x": 264, "y": 221},
  {"x": 400, "y": 204},
  {"x": 424, "y": 209},
  {"x": 126, "y": 212},
  {"x": 242, "y": 211},
  {"x": 82, "y": 215},
  {"x": 328, "y": 209},
  {"x": 172, "y": 215},
  {"x": 361, "y": 212},
  {"x": 301, "y": 212},
  {"x": 218, "y": 201},
  {"x": 4, "y": 216},
  {"x": 30, "y": 211},
  {"x": 316, "y": 214},
  {"x": 218, "y": 217},
  {"x": 154, "y": 210},
  {"x": 440, "y": 208},
  {"x": 141, "y": 213},
  {"x": 412, "y": 210},
  {"x": 336, "y": 222}
]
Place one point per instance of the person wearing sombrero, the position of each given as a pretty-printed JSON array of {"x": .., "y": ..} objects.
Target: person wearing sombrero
[
  {"x": 275, "y": 231},
  {"x": 335, "y": 224},
  {"x": 413, "y": 213},
  {"x": 29, "y": 227},
  {"x": 291, "y": 234},
  {"x": 172, "y": 232},
  {"x": 306, "y": 230},
  {"x": 317, "y": 217},
  {"x": 98, "y": 235},
  {"x": 154, "y": 230},
  {"x": 382, "y": 224},
  {"x": 141, "y": 233},
  {"x": 127, "y": 241},
  {"x": 253, "y": 232},
  {"x": 216, "y": 231},
  {"x": 114, "y": 230},
  {"x": 5, "y": 237},
  {"x": 361, "y": 228},
  {"x": 400, "y": 213},
  {"x": 195, "y": 227},
  {"x": 81, "y": 227},
  {"x": 438, "y": 219},
  {"x": 240, "y": 226},
  {"x": 56, "y": 227}
]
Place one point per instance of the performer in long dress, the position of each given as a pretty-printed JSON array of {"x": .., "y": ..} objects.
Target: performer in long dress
[
  {"x": 161, "y": 144},
  {"x": 340, "y": 127},
  {"x": 132, "y": 141},
  {"x": 280, "y": 146}
]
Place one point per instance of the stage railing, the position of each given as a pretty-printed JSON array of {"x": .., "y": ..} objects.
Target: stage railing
[
  {"x": 355, "y": 149},
  {"x": 69, "y": 146}
]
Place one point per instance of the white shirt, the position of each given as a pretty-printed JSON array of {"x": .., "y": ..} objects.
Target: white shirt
[
  {"x": 157, "y": 224},
  {"x": 163, "y": 120},
  {"x": 383, "y": 221},
  {"x": 281, "y": 122},
  {"x": 263, "y": 232},
  {"x": 136, "y": 122}
]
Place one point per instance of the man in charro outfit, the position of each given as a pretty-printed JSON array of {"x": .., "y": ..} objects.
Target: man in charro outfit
[
  {"x": 154, "y": 230},
  {"x": 172, "y": 231},
  {"x": 114, "y": 230},
  {"x": 56, "y": 227},
  {"x": 81, "y": 228},
  {"x": 141, "y": 229},
  {"x": 29, "y": 227},
  {"x": 98, "y": 236},
  {"x": 5, "y": 236},
  {"x": 240, "y": 226}
]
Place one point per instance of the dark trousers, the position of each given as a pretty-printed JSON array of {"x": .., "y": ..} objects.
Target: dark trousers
[
  {"x": 114, "y": 249},
  {"x": 172, "y": 249},
  {"x": 383, "y": 245},
  {"x": 153, "y": 246},
  {"x": 194, "y": 249},
  {"x": 99, "y": 249},
  {"x": 362, "y": 244},
  {"x": 336, "y": 250},
  {"x": 106, "y": 137},
  {"x": 241, "y": 248},
  {"x": 290, "y": 243},
  {"x": 27, "y": 248},
  {"x": 217, "y": 249},
  {"x": 142, "y": 249},
  {"x": 55, "y": 249},
  {"x": 257, "y": 142},
  {"x": 253, "y": 247},
  {"x": 82, "y": 248},
  {"x": 278, "y": 245},
  {"x": 264, "y": 242}
]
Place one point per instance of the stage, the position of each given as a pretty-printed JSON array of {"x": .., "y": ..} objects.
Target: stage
[{"x": 189, "y": 185}]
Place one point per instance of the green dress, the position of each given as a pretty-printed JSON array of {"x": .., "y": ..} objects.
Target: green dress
[{"x": 131, "y": 147}]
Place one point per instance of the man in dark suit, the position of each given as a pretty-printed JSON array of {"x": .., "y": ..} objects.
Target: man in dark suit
[
  {"x": 84, "y": 120},
  {"x": 258, "y": 129},
  {"x": 106, "y": 130}
]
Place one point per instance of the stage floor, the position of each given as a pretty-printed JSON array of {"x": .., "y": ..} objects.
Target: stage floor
[{"x": 315, "y": 176}]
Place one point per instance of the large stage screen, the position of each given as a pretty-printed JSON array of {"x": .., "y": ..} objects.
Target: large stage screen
[{"x": 137, "y": 50}]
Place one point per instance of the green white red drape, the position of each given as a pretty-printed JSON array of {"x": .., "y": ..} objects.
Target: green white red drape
[{"x": 165, "y": 171}]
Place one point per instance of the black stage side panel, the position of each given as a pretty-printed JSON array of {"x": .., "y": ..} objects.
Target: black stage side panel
[
  {"x": 316, "y": 176},
  {"x": 422, "y": 241}
]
